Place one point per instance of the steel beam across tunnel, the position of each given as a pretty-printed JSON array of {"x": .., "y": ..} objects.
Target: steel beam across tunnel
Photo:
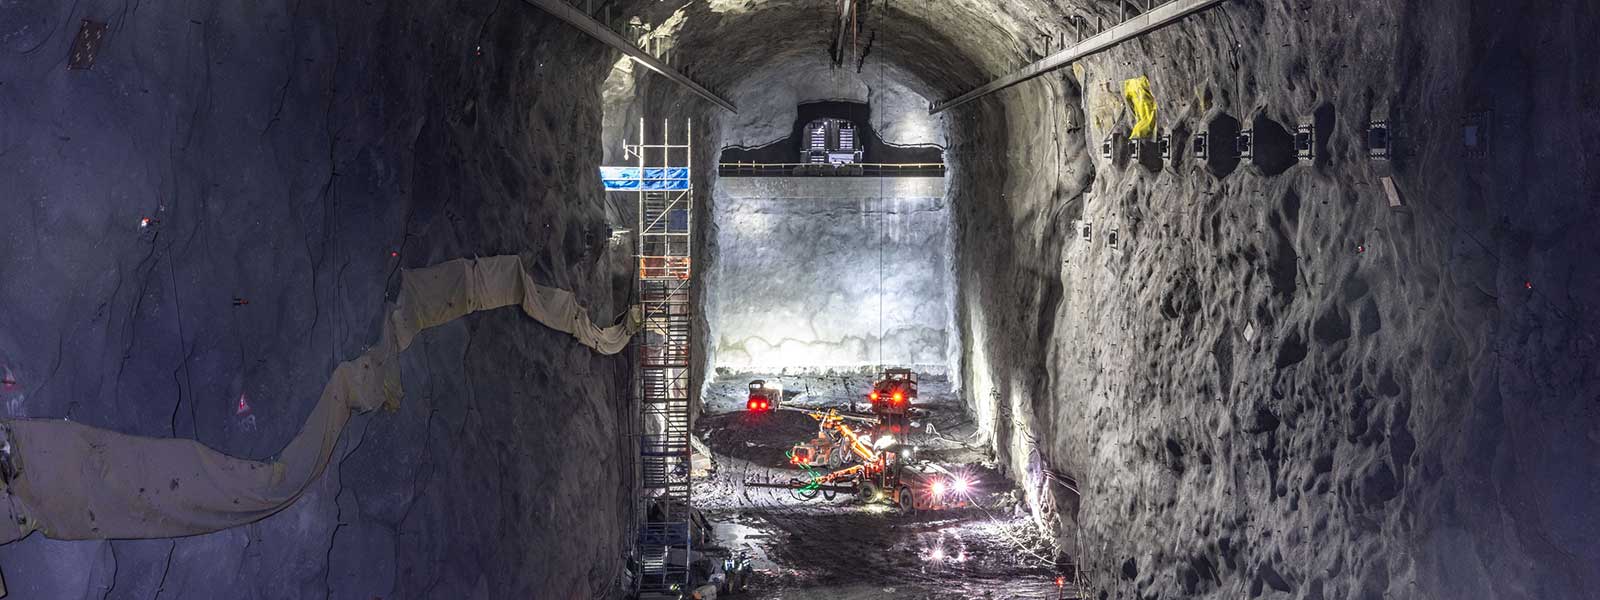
[
  {"x": 1139, "y": 25},
  {"x": 599, "y": 31}
]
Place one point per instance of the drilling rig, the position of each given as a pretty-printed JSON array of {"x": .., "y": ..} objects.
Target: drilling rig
[{"x": 884, "y": 469}]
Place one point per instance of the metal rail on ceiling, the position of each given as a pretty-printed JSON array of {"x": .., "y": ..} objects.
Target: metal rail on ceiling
[
  {"x": 597, "y": 30},
  {"x": 1143, "y": 23},
  {"x": 846, "y": 12}
]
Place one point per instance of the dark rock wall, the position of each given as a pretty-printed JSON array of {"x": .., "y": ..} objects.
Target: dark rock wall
[
  {"x": 1274, "y": 385},
  {"x": 295, "y": 156}
]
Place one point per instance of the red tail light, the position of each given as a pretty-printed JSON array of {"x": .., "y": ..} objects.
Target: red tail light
[
  {"x": 874, "y": 396},
  {"x": 899, "y": 398}
]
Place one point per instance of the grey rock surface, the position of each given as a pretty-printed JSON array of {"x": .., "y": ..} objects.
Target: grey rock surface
[
  {"x": 1394, "y": 425},
  {"x": 1407, "y": 418},
  {"x": 832, "y": 273}
]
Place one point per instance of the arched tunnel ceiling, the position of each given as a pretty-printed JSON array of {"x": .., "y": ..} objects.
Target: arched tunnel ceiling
[{"x": 776, "y": 52}]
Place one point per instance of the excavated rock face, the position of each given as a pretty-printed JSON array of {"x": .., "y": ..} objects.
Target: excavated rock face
[
  {"x": 837, "y": 273},
  {"x": 1270, "y": 384},
  {"x": 294, "y": 156}
]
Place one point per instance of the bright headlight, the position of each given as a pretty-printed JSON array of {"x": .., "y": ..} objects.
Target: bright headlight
[
  {"x": 938, "y": 488},
  {"x": 962, "y": 485}
]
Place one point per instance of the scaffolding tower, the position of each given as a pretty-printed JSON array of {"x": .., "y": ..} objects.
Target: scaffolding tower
[{"x": 665, "y": 204}]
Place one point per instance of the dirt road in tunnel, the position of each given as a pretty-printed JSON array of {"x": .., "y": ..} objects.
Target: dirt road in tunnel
[{"x": 844, "y": 548}]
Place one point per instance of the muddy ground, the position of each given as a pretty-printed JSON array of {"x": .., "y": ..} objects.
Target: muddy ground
[{"x": 844, "y": 548}]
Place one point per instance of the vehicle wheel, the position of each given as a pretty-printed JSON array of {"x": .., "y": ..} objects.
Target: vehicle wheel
[
  {"x": 867, "y": 492},
  {"x": 905, "y": 501},
  {"x": 836, "y": 459}
]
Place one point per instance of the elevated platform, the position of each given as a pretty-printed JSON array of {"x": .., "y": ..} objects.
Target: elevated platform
[
  {"x": 831, "y": 187},
  {"x": 736, "y": 169}
]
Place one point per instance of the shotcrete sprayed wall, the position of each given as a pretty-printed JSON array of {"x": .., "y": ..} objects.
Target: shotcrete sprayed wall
[{"x": 825, "y": 273}]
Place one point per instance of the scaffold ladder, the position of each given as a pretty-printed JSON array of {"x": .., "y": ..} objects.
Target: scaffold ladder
[{"x": 665, "y": 207}]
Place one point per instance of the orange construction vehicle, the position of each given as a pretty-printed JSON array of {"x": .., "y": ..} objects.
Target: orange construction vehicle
[
  {"x": 835, "y": 445},
  {"x": 917, "y": 485},
  {"x": 885, "y": 471}
]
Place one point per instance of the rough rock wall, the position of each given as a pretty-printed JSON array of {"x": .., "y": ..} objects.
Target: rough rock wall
[
  {"x": 1012, "y": 208},
  {"x": 769, "y": 100},
  {"x": 1274, "y": 385},
  {"x": 292, "y": 157},
  {"x": 831, "y": 273}
]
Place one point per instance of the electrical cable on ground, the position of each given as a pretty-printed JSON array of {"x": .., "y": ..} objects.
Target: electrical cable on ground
[{"x": 1015, "y": 541}]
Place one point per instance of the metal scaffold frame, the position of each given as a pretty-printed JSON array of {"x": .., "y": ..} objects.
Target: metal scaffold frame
[{"x": 665, "y": 195}]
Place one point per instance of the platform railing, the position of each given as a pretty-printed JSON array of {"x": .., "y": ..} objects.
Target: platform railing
[{"x": 754, "y": 169}]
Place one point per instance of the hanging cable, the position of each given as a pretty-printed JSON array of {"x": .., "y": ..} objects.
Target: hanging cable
[{"x": 882, "y": 210}]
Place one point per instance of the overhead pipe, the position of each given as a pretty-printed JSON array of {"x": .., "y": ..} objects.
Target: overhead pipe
[
  {"x": 597, "y": 30},
  {"x": 1137, "y": 26},
  {"x": 847, "y": 10}
]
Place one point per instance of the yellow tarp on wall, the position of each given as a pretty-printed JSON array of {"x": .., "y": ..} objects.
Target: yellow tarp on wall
[{"x": 1137, "y": 93}]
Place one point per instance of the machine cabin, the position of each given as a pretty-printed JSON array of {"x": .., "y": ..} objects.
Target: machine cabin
[
  {"x": 764, "y": 396},
  {"x": 892, "y": 398},
  {"x": 830, "y": 141}
]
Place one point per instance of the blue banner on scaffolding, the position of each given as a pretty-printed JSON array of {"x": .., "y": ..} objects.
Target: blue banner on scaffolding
[{"x": 633, "y": 179}]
